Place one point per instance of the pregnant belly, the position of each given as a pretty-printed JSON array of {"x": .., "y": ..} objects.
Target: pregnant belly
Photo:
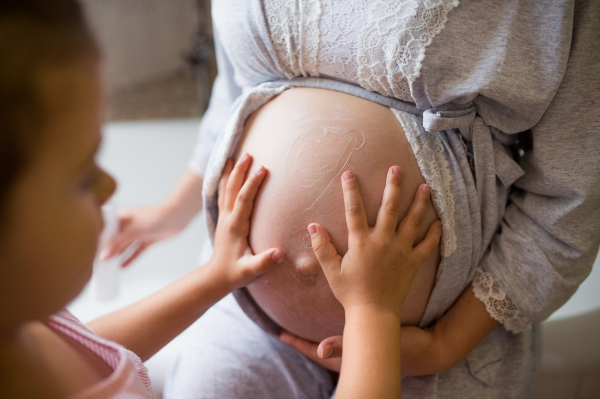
[{"x": 306, "y": 138}]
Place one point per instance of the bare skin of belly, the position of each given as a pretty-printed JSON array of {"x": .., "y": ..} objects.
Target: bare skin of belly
[{"x": 307, "y": 138}]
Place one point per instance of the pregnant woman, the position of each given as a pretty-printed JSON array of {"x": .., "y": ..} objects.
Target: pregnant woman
[{"x": 441, "y": 89}]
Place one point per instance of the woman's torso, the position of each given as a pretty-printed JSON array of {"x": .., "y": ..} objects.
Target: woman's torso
[
  {"x": 488, "y": 55},
  {"x": 306, "y": 138}
]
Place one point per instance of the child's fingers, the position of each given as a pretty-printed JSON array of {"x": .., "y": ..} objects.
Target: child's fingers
[
  {"x": 236, "y": 180},
  {"x": 256, "y": 265},
  {"x": 356, "y": 219},
  {"x": 223, "y": 184},
  {"x": 331, "y": 347},
  {"x": 430, "y": 242},
  {"x": 245, "y": 198},
  {"x": 409, "y": 228},
  {"x": 387, "y": 217},
  {"x": 324, "y": 250}
]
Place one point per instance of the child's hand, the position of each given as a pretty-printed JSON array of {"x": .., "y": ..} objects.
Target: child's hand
[
  {"x": 381, "y": 262},
  {"x": 232, "y": 255}
]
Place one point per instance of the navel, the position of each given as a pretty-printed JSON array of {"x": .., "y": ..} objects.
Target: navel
[{"x": 307, "y": 269}]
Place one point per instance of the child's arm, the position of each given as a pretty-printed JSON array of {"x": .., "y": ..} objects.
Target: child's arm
[
  {"x": 148, "y": 325},
  {"x": 371, "y": 282}
]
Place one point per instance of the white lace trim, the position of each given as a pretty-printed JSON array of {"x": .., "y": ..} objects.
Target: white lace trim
[
  {"x": 430, "y": 152},
  {"x": 392, "y": 44},
  {"x": 340, "y": 26},
  {"x": 497, "y": 303},
  {"x": 294, "y": 30}
]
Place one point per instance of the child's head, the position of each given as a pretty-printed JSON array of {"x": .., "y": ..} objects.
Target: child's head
[{"x": 51, "y": 189}]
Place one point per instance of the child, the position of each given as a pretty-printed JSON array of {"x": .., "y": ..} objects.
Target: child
[{"x": 51, "y": 191}]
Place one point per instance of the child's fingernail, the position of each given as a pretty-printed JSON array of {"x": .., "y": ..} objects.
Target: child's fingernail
[
  {"x": 426, "y": 189},
  {"x": 312, "y": 229},
  {"x": 326, "y": 351},
  {"x": 348, "y": 175},
  {"x": 260, "y": 171},
  {"x": 276, "y": 256},
  {"x": 397, "y": 171},
  {"x": 104, "y": 254},
  {"x": 440, "y": 225},
  {"x": 244, "y": 157}
]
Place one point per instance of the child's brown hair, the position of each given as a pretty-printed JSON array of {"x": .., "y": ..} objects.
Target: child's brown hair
[{"x": 34, "y": 34}]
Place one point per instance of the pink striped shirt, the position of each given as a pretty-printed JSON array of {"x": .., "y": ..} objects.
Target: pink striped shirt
[{"x": 129, "y": 378}]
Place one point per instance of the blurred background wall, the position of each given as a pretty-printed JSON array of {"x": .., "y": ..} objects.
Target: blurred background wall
[{"x": 159, "y": 62}]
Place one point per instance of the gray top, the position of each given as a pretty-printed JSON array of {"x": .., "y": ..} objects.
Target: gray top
[{"x": 492, "y": 69}]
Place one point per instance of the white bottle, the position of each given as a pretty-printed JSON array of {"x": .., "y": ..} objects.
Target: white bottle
[{"x": 105, "y": 278}]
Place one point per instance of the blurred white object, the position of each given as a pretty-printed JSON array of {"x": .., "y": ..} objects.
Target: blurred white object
[{"x": 105, "y": 279}]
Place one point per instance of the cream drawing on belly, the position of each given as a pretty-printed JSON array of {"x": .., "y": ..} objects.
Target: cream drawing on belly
[
  {"x": 300, "y": 241},
  {"x": 319, "y": 155},
  {"x": 306, "y": 242}
]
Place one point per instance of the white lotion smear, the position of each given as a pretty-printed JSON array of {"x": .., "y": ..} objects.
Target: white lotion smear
[{"x": 304, "y": 163}]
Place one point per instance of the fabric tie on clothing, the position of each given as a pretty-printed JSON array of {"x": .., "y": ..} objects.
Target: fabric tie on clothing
[
  {"x": 462, "y": 117},
  {"x": 448, "y": 116}
]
